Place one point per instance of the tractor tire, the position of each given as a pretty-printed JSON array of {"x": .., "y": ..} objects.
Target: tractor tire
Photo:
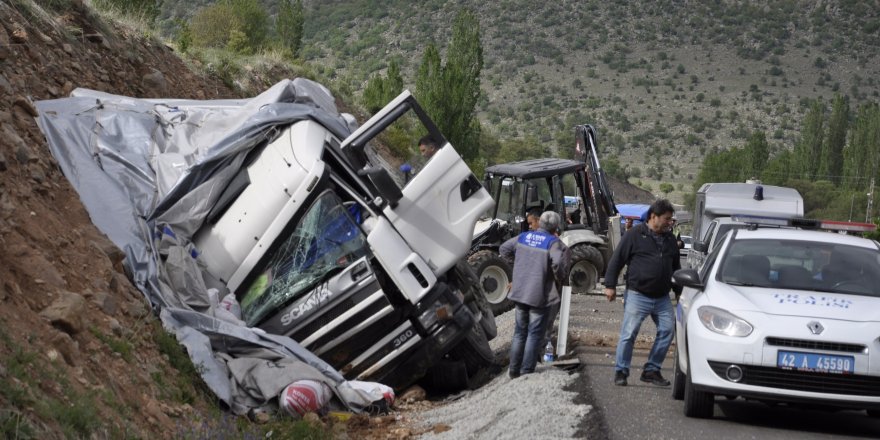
[
  {"x": 494, "y": 277},
  {"x": 586, "y": 262}
]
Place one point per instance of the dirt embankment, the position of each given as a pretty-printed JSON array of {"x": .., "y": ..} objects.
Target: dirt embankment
[{"x": 78, "y": 356}]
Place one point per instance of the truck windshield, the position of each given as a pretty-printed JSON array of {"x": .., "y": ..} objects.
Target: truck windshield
[{"x": 326, "y": 240}]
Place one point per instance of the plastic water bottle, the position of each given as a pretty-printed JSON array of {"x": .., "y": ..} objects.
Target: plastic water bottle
[{"x": 548, "y": 352}]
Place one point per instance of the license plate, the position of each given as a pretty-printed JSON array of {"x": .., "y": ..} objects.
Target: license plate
[{"x": 823, "y": 363}]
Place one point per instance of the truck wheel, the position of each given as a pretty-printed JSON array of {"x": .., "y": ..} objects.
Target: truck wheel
[
  {"x": 474, "y": 351},
  {"x": 494, "y": 276},
  {"x": 585, "y": 263},
  {"x": 480, "y": 307}
]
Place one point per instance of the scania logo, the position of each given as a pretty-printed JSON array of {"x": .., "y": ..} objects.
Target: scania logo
[{"x": 815, "y": 328}]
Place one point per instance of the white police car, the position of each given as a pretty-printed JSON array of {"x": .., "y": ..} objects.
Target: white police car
[{"x": 781, "y": 314}]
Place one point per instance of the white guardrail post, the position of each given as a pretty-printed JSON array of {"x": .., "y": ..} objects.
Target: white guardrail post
[{"x": 564, "y": 309}]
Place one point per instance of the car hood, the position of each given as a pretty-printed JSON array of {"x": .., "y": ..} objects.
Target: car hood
[{"x": 784, "y": 302}]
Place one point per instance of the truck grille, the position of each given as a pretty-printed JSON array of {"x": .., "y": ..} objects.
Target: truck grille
[
  {"x": 816, "y": 345},
  {"x": 771, "y": 377}
]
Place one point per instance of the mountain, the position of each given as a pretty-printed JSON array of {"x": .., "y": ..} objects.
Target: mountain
[{"x": 664, "y": 82}]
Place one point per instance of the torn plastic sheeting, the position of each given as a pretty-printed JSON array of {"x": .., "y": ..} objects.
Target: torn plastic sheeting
[{"x": 146, "y": 167}]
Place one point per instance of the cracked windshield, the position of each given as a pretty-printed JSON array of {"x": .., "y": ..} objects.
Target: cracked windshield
[{"x": 325, "y": 240}]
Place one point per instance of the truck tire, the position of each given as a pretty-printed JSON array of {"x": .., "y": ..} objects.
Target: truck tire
[
  {"x": 480, "y": 307},
  {"x": 474, "y": 351},
  {"x": 494, "y": 276},
  {"x": 586, "y": 261}
]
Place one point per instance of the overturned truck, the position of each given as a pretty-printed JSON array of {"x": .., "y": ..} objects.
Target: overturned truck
[{"x": 282, "y": 205}]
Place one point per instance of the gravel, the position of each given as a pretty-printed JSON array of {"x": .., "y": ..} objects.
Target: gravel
[{"x": 531, "y": 406}]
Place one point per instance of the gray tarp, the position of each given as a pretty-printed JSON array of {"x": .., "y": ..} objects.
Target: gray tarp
[{"x": 148, "y": 171}]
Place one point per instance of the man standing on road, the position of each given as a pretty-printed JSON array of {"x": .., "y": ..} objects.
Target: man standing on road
[
  {"x": 651, "y": 255},
  {"x": 539, "y": 259}
]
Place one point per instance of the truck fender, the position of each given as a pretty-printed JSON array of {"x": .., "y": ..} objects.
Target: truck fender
[{"x": 578, "y": 236}]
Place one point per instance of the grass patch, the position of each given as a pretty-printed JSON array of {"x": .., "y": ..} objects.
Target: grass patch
[
  {"x": 118, "y": 345},
  {"x": 78, "y": 419},
  {"x": 188, "y": 384},
  {"x": 13, "y": 425}
]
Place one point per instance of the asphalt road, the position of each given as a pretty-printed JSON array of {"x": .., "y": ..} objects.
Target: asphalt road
[{"x": 644, "y": 411}]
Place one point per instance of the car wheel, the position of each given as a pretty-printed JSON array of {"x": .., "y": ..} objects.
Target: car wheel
[
  {"x": 494, "y": 275},
  {"x": 678, "y": 378},
  {"x": 699, "y": 404}
]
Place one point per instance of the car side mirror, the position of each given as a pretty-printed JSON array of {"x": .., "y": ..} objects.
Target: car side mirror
[
  {"x": 688, "y": 278},
  {"x": 700, "y": 246}
]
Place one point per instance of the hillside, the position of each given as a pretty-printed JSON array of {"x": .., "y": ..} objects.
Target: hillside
[
  {"x": 82, "y": 354},
  {"x": 665, "y": 83}
]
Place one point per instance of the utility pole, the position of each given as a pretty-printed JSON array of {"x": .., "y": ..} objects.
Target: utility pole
[{"x": 870, "y": 202}]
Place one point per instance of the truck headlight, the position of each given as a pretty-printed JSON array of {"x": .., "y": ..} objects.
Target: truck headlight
[
  {"x": 724, "y": 322},
  {"x": 435, "y": 313}
]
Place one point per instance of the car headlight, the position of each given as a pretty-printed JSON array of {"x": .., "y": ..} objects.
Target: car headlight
[{"x": 724, "y": 322}]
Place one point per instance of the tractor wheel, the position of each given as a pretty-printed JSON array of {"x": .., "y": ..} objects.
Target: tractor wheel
[
  {"x": 494, "y": 276},
  {"x": 586, "y": 261}
]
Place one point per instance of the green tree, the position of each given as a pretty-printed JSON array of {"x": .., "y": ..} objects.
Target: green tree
[
  {"x": 211, "y": 25},
  {"x": 831, "y": 164},
  {"x": 450, "y": 92},
  {"x": 666, "y": 188},
  {"x": 289, "y": 25},
  {"x": 808, "y": 151},
  {"x": 380, "y": 90},
  {"x": 254, "y": 22},
  {"x": 756, "y": 151},
  {"x": 727, "y": 166},
  {"x": 861, "y": 154},
  {"x": 778, "y": 169}
]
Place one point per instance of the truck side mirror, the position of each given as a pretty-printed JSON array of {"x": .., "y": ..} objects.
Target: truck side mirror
[
  {"x": 700, "y": 246},
  {"x": 384, "y": 184}
]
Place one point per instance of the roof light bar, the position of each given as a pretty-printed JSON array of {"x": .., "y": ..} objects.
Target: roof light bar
[
  {"x": 847, "y": 226},
  {"x": 804, "y": 223}
]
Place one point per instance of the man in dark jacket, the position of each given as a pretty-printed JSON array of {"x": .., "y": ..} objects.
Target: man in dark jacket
[
  {"x": 651, "y": 255},
  {"x": 539, "y": 259}
]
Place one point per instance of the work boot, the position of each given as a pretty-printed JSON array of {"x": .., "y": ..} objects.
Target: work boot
[
  {"x": 512, "y": 375},
  {"x": 655, "y": 378},
  {"x": 619, "y": 379}
]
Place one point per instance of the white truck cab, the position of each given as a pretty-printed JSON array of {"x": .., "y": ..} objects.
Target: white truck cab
[{"x": 322, "y": 240}]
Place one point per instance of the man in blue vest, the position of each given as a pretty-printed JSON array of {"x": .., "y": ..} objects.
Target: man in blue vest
[{"x": 539, "y": 260}]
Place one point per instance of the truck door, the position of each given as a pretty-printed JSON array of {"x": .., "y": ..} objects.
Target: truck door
[{"x": 435, "y": 210}]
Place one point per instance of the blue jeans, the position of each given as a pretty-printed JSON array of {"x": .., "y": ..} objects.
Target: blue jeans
[
  {"x": 528, "y": 335},
  {"x": 637, "y": 307}
]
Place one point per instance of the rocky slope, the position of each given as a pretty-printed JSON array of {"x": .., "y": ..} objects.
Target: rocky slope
[{"x": 78, "y": 351}]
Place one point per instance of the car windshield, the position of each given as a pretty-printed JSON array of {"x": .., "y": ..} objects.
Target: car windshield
[
  {"x": 802, "y": 265},
  {"x": 326, "y": 240}
]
